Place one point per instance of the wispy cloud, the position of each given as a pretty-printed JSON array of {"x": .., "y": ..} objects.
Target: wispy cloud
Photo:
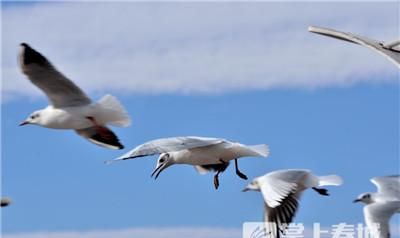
[
  {"x": 198, "y": 47},
  {"x": 155, "y": 232},
  {"x": 170, "y": 232}
]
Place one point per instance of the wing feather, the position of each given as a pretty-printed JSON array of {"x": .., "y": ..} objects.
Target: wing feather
[
  {"x": 169, "y": 144},
  {"x": 391, "y": 54},
  {"x": 377, "y": 216},
  {"x": 281, "y": 197},
  {"x": 388, "y": 185},
  {"x": 101, "y": 135},
  {"x": 60, "y": 91},
  {"x": 278, "y": 218}
]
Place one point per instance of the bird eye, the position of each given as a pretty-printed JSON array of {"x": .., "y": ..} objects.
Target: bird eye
[
  {"x": 161, "y": 160},
  {"x": 32, "y": 117}
]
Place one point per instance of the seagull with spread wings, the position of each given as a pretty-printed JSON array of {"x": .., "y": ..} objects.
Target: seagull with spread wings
[
  {"x": 282, "y": 190},
  {"x": 205, "y": 154},
  {"x": 70, "y": 107},
  {"x": 381, "y": 206}
]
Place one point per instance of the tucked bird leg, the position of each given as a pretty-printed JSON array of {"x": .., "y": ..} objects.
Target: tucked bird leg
[
  {"x": 240, "y": 174},
  {"x": 216, "y": 180},
  {"x": 322, "y": 191},
  {"x": 219, "y": 168}
]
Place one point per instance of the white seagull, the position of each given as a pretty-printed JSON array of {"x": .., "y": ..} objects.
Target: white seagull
[
  {"x": 206, "y": 154},
  {"x": 281, "y": 190},
  {"x": 381, "y": 206},
  {"x": 70, "y": 107}
]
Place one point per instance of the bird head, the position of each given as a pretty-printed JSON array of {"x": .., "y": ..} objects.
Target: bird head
[
  {"x": 164, "y": 161},
  {"x": 364, "y": 198},
  {"x": 34, "y": 118},
  {"x": 253, "y": 186}
]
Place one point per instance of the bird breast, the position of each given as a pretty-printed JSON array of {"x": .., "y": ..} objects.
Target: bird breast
[{"x": 67, "y": 118}]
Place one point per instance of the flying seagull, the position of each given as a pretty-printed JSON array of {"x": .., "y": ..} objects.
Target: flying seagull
[
  {"x": 205, "y": 154},
  {"x": 390, "y": 50},
  {"x": 381, "y": 206},
  {"x": 5, "y": 202},
  {"x": 281, "y": 190},
  {"x": 70, "y": 107}
]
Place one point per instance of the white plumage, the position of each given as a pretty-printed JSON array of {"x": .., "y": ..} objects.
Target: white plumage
[
  {"x": 282, "y": 190},
  {"x": 206, "y": 154},
  {"x": 381, "y": 206},
  {"x": 70, "y": 107}
]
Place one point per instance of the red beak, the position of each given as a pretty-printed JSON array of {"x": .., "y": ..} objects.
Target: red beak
[{"x": 23, "y": 123}]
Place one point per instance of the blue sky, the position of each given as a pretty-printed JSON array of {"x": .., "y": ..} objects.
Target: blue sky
[{"x": 331, "y": 109}]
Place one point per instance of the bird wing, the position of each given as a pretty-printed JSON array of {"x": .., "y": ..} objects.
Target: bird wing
[
  {"x": 288, "y": 175},
  {"x": 241, "y": 150},
  {"x": 281, "y": 194},
  {"x": 61, "y": 91},
  {"x": 388, "y": 185},
  {"x": 169, "y": 144},
  {"x": 391, "y": 53},
  {"x": 101, "y": 135},
  {"x": 281, "y": 203},
  {"x": 277, "y": 219},
  {"x": 377, "y": 216}
]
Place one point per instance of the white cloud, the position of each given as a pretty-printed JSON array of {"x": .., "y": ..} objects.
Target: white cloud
[
  {"x": 155, "y": 232},
  {"x": 172, "y": 232},
  {"x": 198, "y": 47}
]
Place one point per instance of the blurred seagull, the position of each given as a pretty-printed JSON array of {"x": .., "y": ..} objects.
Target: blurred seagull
[
  {"x": 206, "y": 154},
  {"x": 381, "y": 205},
  {"x": 5, "y": 202},
  {"x": 281, "y": 190},
  {"x": 70, "y": 107}
]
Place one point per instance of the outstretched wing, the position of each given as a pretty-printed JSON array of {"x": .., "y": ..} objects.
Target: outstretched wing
[
  {"x": 377, "y": 216},
  {"x": 388, "y": 50},
  {"x": 101, "y": 135},
  {"x": 388, "y": 185},
  {"x": 281, "y": 203},
  {"x": 169, "y": 144},
  {"x": 240, "y": 150},
  {"x": 277, "y": 219},
  {"x": 61, "y": 91}
]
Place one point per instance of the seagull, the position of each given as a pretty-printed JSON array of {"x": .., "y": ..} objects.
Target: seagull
[
  {"x": 70, "y": 107},
  {"x": 282, "y": 189},
  {"x": 5, "y": 202},
  {"x": 381, "y": 206},
  {"x": 205, "y": 154}
]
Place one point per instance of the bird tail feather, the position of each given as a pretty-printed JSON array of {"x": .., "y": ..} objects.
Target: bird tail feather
[
  {"x": 261, "y": 150},
  {"x": 116, "y": 114},
  {"x": 334, "y": 180}
]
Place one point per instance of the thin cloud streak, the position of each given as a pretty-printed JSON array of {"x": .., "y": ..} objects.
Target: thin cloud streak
[
  {"x": 156, "y": 232},
  {"x": 198, "y": 47},
  {"x": 138, "y": 232}
]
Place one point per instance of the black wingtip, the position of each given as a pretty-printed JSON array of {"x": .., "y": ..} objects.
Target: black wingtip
[{"x": 29, "y": 55}]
